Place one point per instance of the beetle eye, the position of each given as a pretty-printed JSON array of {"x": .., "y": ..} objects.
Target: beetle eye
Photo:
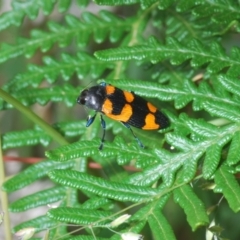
[
  {"x": 82, "y": 101},
  {"x": 82, "y": 98}
]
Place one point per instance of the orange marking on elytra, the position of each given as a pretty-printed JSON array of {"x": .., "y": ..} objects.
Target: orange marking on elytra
[
  {"x": 124, "y": 116},
  {"x": 107, "y": 107},
  {"x": 151, "y": 108},
  {"x": 150, "y": 122},
  {"x": 128, "y": 96},
  {"x": 110, "y": 89}
]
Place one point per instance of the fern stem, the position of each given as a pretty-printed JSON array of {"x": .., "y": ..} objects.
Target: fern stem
[
  {"x": 33, "y": 117},
  {"x": 4, "y": 199}
]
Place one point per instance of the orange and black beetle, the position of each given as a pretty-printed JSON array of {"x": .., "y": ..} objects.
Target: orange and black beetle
[{"x": 123, "y": 106}]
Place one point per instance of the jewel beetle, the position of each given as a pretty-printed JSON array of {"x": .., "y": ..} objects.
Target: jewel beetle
[{"x": 123, "y": 106}]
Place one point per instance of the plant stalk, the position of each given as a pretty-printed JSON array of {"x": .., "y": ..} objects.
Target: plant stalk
[
  {"x": 33, "y": 117},
  {"x": 4, "y": 200}
]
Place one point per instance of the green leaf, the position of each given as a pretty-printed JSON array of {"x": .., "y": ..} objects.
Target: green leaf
[
  {"x": 234, "y": 150},
  {"x": 62, "y": 35},
  {"x": 63, "y": 5},
  {"x": 40, "y": 223},
  {"x": 160, "y": 227},
  {"x": 33, "y": 173},
  {"x": 22, "y": 9},
  {"x": 219, "y": 11},
  {"x": 79, "y": 216},
  {"x": 31, "y": 8},
  {"x": 75, "y": 150},
  {"x": 97, "y": 203},
  {"x": 223, "y": 110},
  {"x": 211, "y": 160},
  {"x": 169, "y": 165},
  {"x": 185, "y": 5},
  {"x": 37, "y": 199},
  {"x": 116, "y": 2},
  {"x": 192, "y": 206},
  {"x": 231, "y": 83},
  {"x": 66, "y": 93},
  {"x": 226, "y": 183},
  {"x": 11, "y": 18},
  {"x": 83, "y": 64},
  {"x": 159, "y": 203},
  {"x": 177, "y": 52},
  {"x": 71, "y": 128},
  {"x": 85, "y": 148},
  {"x": 118, "y": 191},
  {"x": 82, "y": 3},
  {"x": 200, "y": 127},
  {"x": 25, "y": 138}
]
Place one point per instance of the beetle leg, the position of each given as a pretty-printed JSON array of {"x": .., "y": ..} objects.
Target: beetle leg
[
  {"x": 138, "y": 140},
  {"x": 103, "y": 124},
  {"x": 90, "y": 120}
]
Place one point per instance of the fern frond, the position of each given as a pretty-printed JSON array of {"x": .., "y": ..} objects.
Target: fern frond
[
  {"x": 116, "y": 3},
  {"x": 199, "y": 128},
  {"x": 192, "y": 205},
  {"x": 180, "y": 29},
  {"x": 72, "y": 151},
  {"x": 223, "y": 110},
  {"x": 37, "y": 136},
  {"x": 66, "y": 93},
  {"x": 64, "y": 5},
  {"x": 33, "y": 173},
  {"x": 125, "y": 192},
  {"x": 11, "y": 18},
  {"x": 230, "y": 82},
  {"x": 218, "y": 11},
  {"x": 31, "y": 10},
  {"x": 171, "y": 162},
  {"x": 98, "y": 203},
  {"x": 234, "y": 151},
  {"x": 39, "y": 223},
  {"x": 167, "y": 163},
  {"x": 79, "y": 216},
  {"x": 177, "y": 53},
  {"x": 227, "y": 184},
  {"x": 22, "y": 9},
  {"x": 71, "y": 129},
  {"x": 83, "y": 64},
  {"x": 214, "y": 141},
  {"x": 146, "y": 210},
  {"x": 211, "y": 161},
  {"x": 40, "y": 198},
  {"x": 25, "y": 138},
  {"x": 118, "y": 149},
  {"x": 160, "y": 227},
  {"x": 64, "y": 35}
]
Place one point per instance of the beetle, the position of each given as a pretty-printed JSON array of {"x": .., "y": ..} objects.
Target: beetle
[{"x": 123, "y": 106}]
